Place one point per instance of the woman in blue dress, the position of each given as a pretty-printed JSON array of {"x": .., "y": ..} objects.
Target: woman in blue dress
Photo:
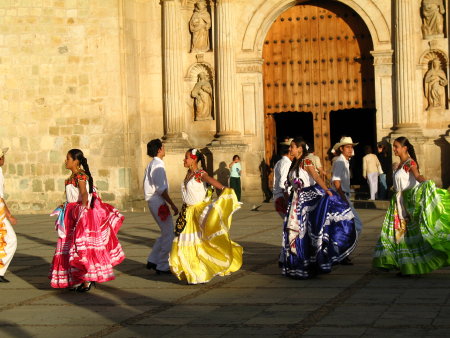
[{"x": 318, "y": 230}]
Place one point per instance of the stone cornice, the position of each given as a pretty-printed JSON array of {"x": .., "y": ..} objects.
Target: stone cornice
[{"x": 249, "y": 65}]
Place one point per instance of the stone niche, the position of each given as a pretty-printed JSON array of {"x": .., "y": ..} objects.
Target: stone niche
[
  {"x": 199, "y": 89},
  {"x": 434, "y": 65}
]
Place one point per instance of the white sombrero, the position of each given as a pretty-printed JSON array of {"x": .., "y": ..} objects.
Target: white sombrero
[
  {"x": 288, "y": 142},
  {"x": 3, "y": 151},
  {"x": 344, "y": 141}
]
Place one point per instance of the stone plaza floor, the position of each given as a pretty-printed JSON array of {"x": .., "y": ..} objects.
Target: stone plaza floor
[{"x": 255, "y": 301}]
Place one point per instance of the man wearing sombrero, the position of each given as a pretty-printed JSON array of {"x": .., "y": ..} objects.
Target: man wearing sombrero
[
  {"x": 341, "y": 174},
  {"x": 8, "y": 239}
]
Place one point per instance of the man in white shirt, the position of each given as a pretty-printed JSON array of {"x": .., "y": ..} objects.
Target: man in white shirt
[
  {"x": 6, "y": 222},
  {"x": 341, "y": 175},
  {"x": 280, "y": 173},
  {"x": 157, "y": 196}
]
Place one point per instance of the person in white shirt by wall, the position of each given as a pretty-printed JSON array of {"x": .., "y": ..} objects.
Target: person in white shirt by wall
[
  {"x": 157, "y": 196},
  {"x": 280, "y": 172}
]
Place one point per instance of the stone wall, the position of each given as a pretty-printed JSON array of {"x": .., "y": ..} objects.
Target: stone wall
[
  {"x": 89, "y": 74},
  {"x": 61, "y": 88}
]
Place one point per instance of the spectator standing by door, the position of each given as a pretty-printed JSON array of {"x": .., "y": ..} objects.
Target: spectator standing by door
[
  {"x": 386, "y": 164},
  {"x": 371, "y": 170},
  {"x": 235, "y": 175}
]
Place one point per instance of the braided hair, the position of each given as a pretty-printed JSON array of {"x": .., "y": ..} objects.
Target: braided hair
[
  {"x": 404, "y": 142},
  {"x": 77, "y": 154}
]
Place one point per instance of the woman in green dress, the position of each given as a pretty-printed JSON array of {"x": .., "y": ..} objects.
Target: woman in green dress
[{"x": 415, "y": 237}]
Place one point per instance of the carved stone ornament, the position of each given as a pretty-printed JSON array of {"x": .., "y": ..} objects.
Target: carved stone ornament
[
  {"x": 199, "y": 26},
  {"x": 433, "y": 12},
  {"x": 203, "y": 100},
  {"x": 435, "y": 82}
]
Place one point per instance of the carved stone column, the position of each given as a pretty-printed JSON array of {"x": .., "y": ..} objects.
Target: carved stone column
[
  {"x": 229, "y": 119},
  {"x": 405, "y": 65},
  {"x": 172, "y": 72}
]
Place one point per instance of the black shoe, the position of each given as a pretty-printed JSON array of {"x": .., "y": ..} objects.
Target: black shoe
[
  {"x": 3, "y": 280},
  {"x": 163, "y": 272},
  {"x": 85, "y": 288},
  {"x": 151, "y": 266},
  {"x": 346, "y": 261}
]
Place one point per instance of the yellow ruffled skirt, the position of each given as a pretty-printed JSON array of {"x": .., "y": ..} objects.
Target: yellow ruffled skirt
[
  {"x": 204, "y": 249},
  {"x": 2, "y": 233}
]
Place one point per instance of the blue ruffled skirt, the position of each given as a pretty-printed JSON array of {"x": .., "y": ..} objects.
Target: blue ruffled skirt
[{"x": 318, "y": 231}]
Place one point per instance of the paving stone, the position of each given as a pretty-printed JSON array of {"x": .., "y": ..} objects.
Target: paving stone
[{"x": 255, "y": 301}]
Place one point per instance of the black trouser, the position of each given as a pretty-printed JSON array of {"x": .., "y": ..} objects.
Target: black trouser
[{"x": 235, "y": 183}]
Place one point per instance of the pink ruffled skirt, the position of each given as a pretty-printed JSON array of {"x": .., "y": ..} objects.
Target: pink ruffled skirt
[{"x": 90, "y": 248}]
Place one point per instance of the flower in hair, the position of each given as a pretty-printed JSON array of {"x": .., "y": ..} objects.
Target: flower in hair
[{"x": 194, "y": 153}]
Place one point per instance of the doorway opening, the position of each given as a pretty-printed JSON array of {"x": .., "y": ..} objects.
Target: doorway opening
[
  {"x": 293, "y": 124},
  {"x": 360, "y": 125}
]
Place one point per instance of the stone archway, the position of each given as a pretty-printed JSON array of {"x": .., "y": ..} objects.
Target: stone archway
[{"x": 317, "y": 61}]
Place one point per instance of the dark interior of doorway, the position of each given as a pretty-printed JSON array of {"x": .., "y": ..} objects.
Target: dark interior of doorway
[
  {"x": 360, "y": 124},
  {"x": 293, "y": 124}
]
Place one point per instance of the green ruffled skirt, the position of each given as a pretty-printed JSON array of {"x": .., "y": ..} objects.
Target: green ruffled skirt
[{"x": 425, "y": 246}]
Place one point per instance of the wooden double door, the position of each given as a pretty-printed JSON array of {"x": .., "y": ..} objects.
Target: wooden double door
[{"x": 316, "y": 61}]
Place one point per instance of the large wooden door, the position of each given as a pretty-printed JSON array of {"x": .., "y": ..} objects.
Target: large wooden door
[{"x": 316, "y": 59}]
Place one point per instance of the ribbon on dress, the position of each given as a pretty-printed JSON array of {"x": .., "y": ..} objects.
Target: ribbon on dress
[{"x": 59, "y": 222}]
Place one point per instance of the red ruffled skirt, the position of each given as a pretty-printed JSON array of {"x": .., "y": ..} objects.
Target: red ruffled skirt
[{"x": 90, "y": 248}]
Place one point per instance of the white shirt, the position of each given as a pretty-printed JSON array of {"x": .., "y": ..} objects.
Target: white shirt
[
  {"x": 73, "y": 193},
  {"x": 155, "y": 180},
  {"x": 280, "y": 173},
  {"x": 341, "y": 172},
  {"x": 2, "y": 184}
]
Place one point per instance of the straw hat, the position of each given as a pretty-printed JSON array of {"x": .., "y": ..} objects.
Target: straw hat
[
  {"x": 3, "y": 151},
  {"x": 287, "y": 143},
  {"x": 343, "y": 142}
]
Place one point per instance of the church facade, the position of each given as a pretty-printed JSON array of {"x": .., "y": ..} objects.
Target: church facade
[{"x": 225, "y": 76}]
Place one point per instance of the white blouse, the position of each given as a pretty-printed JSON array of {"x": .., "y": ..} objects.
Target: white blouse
[
  {"x": 73, "y": 193},
  {"x": 303, "y": 175},
  {"x": 404, "y": 178},
  {"x": 2, "y": 184},
  {"x": 193, "y": 192}
]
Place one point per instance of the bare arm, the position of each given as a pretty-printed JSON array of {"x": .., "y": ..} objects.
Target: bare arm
[
  {"x": 312, "y": 172},
  {"x": 167, "y": 198},
  {"x": 417, "y": 174},
  {"x": 216, "y": 184},
  {"x": 84, "y": 193},
  {"x": 9, "y": 216},
  {"x": 339, "y": 190}
]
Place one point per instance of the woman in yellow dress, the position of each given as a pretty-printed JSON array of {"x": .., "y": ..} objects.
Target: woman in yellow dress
[{"x": 202, "y": 247}]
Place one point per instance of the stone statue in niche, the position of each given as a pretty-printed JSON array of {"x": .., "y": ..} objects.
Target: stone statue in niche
[
  {"x": 433, "y": 18},
  {"x": 199, "y": 25},
  {"x": 202, "y": 94},
  {"x": 435, "y": 83}
]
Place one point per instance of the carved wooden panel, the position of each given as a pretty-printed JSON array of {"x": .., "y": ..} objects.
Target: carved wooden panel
[{"x": 317, "y": 59}]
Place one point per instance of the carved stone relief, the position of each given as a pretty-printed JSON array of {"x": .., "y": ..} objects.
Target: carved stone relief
[
  {"x": 433, "y": 12},
  {"x": 202, "y": 91},
  {"x": 435, "y": 80},
  {"x": 203, "y": 100},
  {"x": 199, "y": 26}
]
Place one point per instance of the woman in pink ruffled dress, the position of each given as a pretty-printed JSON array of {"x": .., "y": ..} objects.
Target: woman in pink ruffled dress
[{"x": 87, "y": 248}]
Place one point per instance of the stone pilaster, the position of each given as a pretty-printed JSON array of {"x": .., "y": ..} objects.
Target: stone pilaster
[
  {"x": 229, "y": 118},
  {"x": 174, "y": 123},
  {"x": 405, "y": 65}
]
